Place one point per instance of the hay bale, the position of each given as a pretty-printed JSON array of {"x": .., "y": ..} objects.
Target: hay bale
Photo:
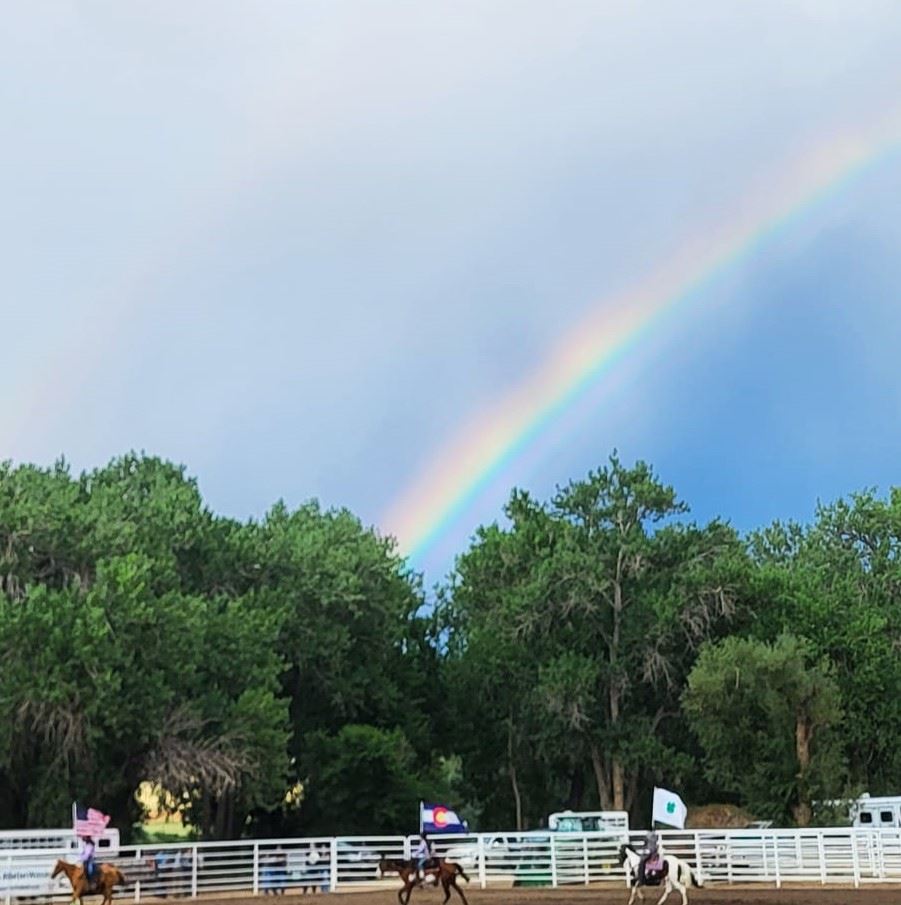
[{"x": 718, "y": 817}]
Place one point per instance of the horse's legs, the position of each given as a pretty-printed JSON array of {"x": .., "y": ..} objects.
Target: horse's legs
[
  {"x": 633, "y": 894},
  {"x": 666, "y": 891},
  {"x": 453, "y": 883}
]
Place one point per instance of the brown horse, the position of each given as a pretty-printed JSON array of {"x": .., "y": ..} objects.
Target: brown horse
[
  {"x": 107, "y": 879},
  {"x": 443, "y": 872}
]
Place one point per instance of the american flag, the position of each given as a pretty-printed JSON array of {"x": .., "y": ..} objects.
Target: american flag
[{"x": 88, "y": 821}]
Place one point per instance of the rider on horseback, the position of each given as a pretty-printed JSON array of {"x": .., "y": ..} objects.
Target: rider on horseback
[
  {"x": 423, "y": 854},
  {"x": 649, "y": 854},
  {"x": 86, "y": 856}
]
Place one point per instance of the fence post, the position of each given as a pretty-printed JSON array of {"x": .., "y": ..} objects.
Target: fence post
[
  {"x": 333, "y": 857},
  {"x": 137, "y": 895},
  {"x": 195, "y": 855},
  {"x": 585, "y": 859},
  {"x": 776, "y": 858},
  {"x": 483, "y": 879},
  {"x": 553, "y": 862},
  {"x": 728, "y": 847},
  {"x": 855, "y": 858},
  {"x": 256, "y": 868},
  {"x": 698, "y": 857},
  {"x": 821, "y": 854},
  {"x": 9, "y": 879}
]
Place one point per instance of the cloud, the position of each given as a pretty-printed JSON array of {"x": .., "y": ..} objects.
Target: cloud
[{"x": 320, "y": 237}]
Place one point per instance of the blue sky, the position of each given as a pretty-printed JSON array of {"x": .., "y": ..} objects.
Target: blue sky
[{"x": 296, "y": 248}]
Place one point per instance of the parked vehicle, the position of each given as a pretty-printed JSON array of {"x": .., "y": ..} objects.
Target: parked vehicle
[
  {"x": 882, "y": 812},
  {"x": 499, "y": 850},
  {"x": 589, "y": 822}
]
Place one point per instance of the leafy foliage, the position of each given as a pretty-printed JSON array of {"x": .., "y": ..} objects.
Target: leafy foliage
[
  {"x": 764, "y": 714},
  {"x": 145, "y": 639},
  {"x": 284, "y": 675},
  {"x": 579, "y": 624}
]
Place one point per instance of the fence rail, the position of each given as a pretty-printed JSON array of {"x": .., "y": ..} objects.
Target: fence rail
[{"x": 275, "y": 866}]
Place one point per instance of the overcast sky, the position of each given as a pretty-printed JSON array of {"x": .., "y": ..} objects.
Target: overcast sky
[{"x": 298, "y": 246}]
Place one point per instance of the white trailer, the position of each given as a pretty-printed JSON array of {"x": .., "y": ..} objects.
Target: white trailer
[
  {"x": 589, "y": 822},
  {"x": 876, "y": 813}
]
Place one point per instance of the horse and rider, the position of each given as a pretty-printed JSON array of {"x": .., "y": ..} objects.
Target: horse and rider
[
  {"x": 88, "y": 877},
  {"x": 425, "y": 864},
  {"x": 650, "y": 866}
]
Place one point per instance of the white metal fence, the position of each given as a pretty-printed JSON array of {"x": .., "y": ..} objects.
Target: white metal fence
[{"x": 273, "y": 867}]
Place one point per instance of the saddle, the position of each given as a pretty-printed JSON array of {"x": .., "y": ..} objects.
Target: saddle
[
  {"x": 655, "y": 869},
  {"x": 431, "y": 869}
]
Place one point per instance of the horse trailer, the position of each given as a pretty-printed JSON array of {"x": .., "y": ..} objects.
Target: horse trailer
[{"x": 876, "y": 813}]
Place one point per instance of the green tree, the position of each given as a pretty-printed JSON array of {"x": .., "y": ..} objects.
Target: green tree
[
  {"x": 837, "y": 583},
  {"x": 118, "y": 661},
  {"x": 361, "y": 780},
  {"x": 764, "y": 714},
  {"x": 595, "y": 605},
  {"x": 354, "y": 648},
  {"x": 491, "y": 674}
]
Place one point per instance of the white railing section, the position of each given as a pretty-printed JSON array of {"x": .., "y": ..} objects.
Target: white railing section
[{"x": 276, "y": 866}]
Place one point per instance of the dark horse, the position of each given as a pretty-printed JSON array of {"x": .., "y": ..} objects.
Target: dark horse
[
  {"x": 105, "y": 881},
  {"x": 444, "y": 872}
]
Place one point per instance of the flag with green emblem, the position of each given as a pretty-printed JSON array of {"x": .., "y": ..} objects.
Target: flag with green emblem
[{"x": 669, "y": 808}]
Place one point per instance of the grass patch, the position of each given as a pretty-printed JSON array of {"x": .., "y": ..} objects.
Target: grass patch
[{"x": 163, "y": 830}]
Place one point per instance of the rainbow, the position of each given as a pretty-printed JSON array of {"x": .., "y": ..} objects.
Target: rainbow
[{"x": 501, "y": 432}]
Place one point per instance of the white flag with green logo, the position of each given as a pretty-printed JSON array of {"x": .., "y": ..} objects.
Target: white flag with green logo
[{"x": 669, "y": 808}]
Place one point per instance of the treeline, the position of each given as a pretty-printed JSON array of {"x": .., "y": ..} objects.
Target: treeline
[{"x": 286, "y": 675}]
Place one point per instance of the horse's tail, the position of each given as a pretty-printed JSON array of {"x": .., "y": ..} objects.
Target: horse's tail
[
  {"x": 694, "y": 875},
  {"x": 120, "y": 877},
  {"x": 461, "y": 872}
]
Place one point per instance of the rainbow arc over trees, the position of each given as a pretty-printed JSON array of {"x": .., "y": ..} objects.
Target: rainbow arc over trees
[{"x": 506, "y": 427}]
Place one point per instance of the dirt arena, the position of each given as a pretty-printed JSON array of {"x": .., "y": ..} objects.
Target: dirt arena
[{"x": 607, "y": 895}]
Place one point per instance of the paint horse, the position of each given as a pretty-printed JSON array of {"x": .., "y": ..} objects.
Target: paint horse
[{"x": 675, "y": 874}]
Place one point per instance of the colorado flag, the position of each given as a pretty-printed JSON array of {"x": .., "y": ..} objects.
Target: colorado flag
[{"x": 436, "y": 818}]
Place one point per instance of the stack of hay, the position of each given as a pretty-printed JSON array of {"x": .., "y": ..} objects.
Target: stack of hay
[{"x": 718, "y": 817}]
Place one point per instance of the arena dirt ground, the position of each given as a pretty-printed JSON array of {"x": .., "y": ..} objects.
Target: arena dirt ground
[{"x": 606, "y": 895}]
